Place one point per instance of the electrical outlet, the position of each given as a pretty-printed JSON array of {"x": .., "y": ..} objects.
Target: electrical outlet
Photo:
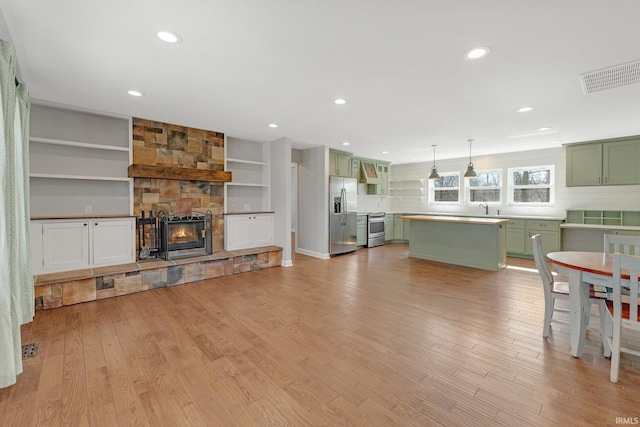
[{"x": 88, "y": 209}]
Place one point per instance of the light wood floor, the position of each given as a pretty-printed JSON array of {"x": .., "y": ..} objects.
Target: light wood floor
[{"x": 370, "y": 339}]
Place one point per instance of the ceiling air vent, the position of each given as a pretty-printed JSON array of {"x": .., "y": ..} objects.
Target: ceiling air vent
[{"x": 611, "y": 77}]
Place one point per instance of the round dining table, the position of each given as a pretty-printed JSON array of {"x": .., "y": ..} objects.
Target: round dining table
[{"x": 583, "y": 269}]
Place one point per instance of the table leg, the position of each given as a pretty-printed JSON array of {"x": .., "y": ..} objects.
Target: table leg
[{"x": 578, "y": 311}]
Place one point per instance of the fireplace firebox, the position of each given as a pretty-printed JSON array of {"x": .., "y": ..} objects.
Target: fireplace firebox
[{"x": 184, "y": 236}]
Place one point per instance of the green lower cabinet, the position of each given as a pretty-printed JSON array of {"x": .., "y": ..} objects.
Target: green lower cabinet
[
  {"x": 515, "y": 236},
  {"x": 362, "y": 230},
  {"x": 400, "y": 228},
  {"x": 519, "y": 232},
  {"x": 515, "y": 241},
  {"x": 388, "y": 227}
]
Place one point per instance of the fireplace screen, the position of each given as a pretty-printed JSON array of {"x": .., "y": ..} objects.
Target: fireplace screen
[{"x": 185, "y": 235}]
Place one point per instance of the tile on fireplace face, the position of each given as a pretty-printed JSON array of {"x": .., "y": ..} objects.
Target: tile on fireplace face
[
  {"x": 155, "y": 278},
  {"x": 79, "y": 291},
  {"x": 128, "y": 284},
  {"x": 175, "y": 275},
  {"x": 176, "y": 140}
]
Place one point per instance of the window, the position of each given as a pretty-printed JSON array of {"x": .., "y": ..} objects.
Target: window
[
  {"x": 532, "y": 185},
  {"x": 486, "y": 187},
  {"x": 446, "y": 189}
]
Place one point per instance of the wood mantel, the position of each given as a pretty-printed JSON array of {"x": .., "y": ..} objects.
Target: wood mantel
[{"x": 167, "y": 172}]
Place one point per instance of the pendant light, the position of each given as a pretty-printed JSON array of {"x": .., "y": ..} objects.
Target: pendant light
[
  {"x": 434, "y": 169},
  {"x": 470, "y": 173}
]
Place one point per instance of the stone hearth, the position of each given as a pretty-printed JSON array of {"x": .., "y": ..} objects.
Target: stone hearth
[{"x": 71, "y": 287}]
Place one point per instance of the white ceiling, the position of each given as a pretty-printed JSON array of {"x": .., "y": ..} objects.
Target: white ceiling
[{"x": 399, "y": 64}]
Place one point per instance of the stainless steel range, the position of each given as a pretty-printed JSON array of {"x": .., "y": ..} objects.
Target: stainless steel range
[{"x": 375, "y": 229}]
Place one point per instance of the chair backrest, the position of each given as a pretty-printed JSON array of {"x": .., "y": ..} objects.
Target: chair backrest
[
  {"x": 622, "y": 244},
  {"x": 541, "y": 264},
  {"x": 622, "y": 265}
]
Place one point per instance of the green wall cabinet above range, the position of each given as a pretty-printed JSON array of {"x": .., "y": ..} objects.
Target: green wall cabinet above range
[
  {"x": 375, "y": 174},
  {"x": 606, "y": 162}
]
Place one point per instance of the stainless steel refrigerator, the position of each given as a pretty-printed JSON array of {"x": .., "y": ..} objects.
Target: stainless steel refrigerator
[{"x": 343, "y": 216}]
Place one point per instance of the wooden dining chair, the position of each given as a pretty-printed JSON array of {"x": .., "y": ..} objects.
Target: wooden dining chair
[
  {"x": 622, "y": 315},
  {"x": 554, "y": 290},
  {"x": 622, "y": 244}
]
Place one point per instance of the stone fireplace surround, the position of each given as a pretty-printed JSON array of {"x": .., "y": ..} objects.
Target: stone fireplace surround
[{"x": 184, "y": 152}]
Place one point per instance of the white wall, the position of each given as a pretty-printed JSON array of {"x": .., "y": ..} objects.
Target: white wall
[
  {"x": 4, "y": 31},
  {"x": 622, "y": 197},
  {"x": 281, "y": 196},
  {"x": 313, "y": 205}
]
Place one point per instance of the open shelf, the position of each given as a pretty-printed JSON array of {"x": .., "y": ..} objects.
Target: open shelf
[
  {"x": 603, "y": 217},
  {"x": 77, "y": 144},
  {"x": 78, "y": 177},
  {"x": 78, "y": 162}
]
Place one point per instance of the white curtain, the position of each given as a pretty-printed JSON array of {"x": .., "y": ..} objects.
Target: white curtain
[{"x": 16, "y": 281}]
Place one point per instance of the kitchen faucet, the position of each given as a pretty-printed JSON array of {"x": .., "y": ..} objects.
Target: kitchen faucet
[{"x": 486, "y": 208}]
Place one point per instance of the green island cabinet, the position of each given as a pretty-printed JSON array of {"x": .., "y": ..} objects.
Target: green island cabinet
[
  {"x": 519, "y": 232},
  {"x": 605, "y": 162},
  {"x": 340, "y": 163}
]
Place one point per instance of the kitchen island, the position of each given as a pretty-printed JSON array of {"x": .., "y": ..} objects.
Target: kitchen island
[{"x": 467, "y": 241}]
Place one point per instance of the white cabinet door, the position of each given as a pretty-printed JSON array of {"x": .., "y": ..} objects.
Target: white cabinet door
[
  {"x": 262, "y": 230},
  {"x": 248, "y": 231},
  {"x": 237, "y": 234},
  {"x": 113, "y": 241},
  {"x": 65, "y": 245}
]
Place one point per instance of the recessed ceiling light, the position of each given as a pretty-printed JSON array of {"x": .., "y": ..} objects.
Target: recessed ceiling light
[
  {"x": 134, "y": 93},
  {"x": 557, "y": 141},
  {"x": 346, "y": 143},
  {"x": 273, "y": 125},
  {"x": 524, "y": 109},
  {"x": 385, "y": 152},
  {"x": 477, "y": 52},
  {"x": 169, "y": 37},
  {"x": 542, "y": 129},
  {"x": 340, "y": 101}
]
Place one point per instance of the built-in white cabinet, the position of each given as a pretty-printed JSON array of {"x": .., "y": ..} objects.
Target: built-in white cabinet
[
  {"x": 248, "y": 162},
  {"x": 248, "y": 230},
  {"x": 65, "y": 245},
  {"x": 72, "y": 244},
  {"x": 78, "y": 163}
]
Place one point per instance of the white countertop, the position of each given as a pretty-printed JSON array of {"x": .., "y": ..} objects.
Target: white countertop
[
  {"x": 484, "y": 220},
  {"x": 600, "y": 227},
  {"x": 506, "y": 216}
]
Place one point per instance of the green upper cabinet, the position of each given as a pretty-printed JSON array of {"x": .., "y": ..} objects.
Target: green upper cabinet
[
  {"x": 383, "y": 173},
  {"x": 339, "y": 163},
  {"x": 621, "y": 162},
  {"x": 606, "y": 162},
  {"x": 584, "y": 164}
]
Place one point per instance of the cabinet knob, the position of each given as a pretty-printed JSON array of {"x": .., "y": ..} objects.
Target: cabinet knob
[
  {"x": 95, "y": 223},
  {"x": 85, "y": 224}
]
